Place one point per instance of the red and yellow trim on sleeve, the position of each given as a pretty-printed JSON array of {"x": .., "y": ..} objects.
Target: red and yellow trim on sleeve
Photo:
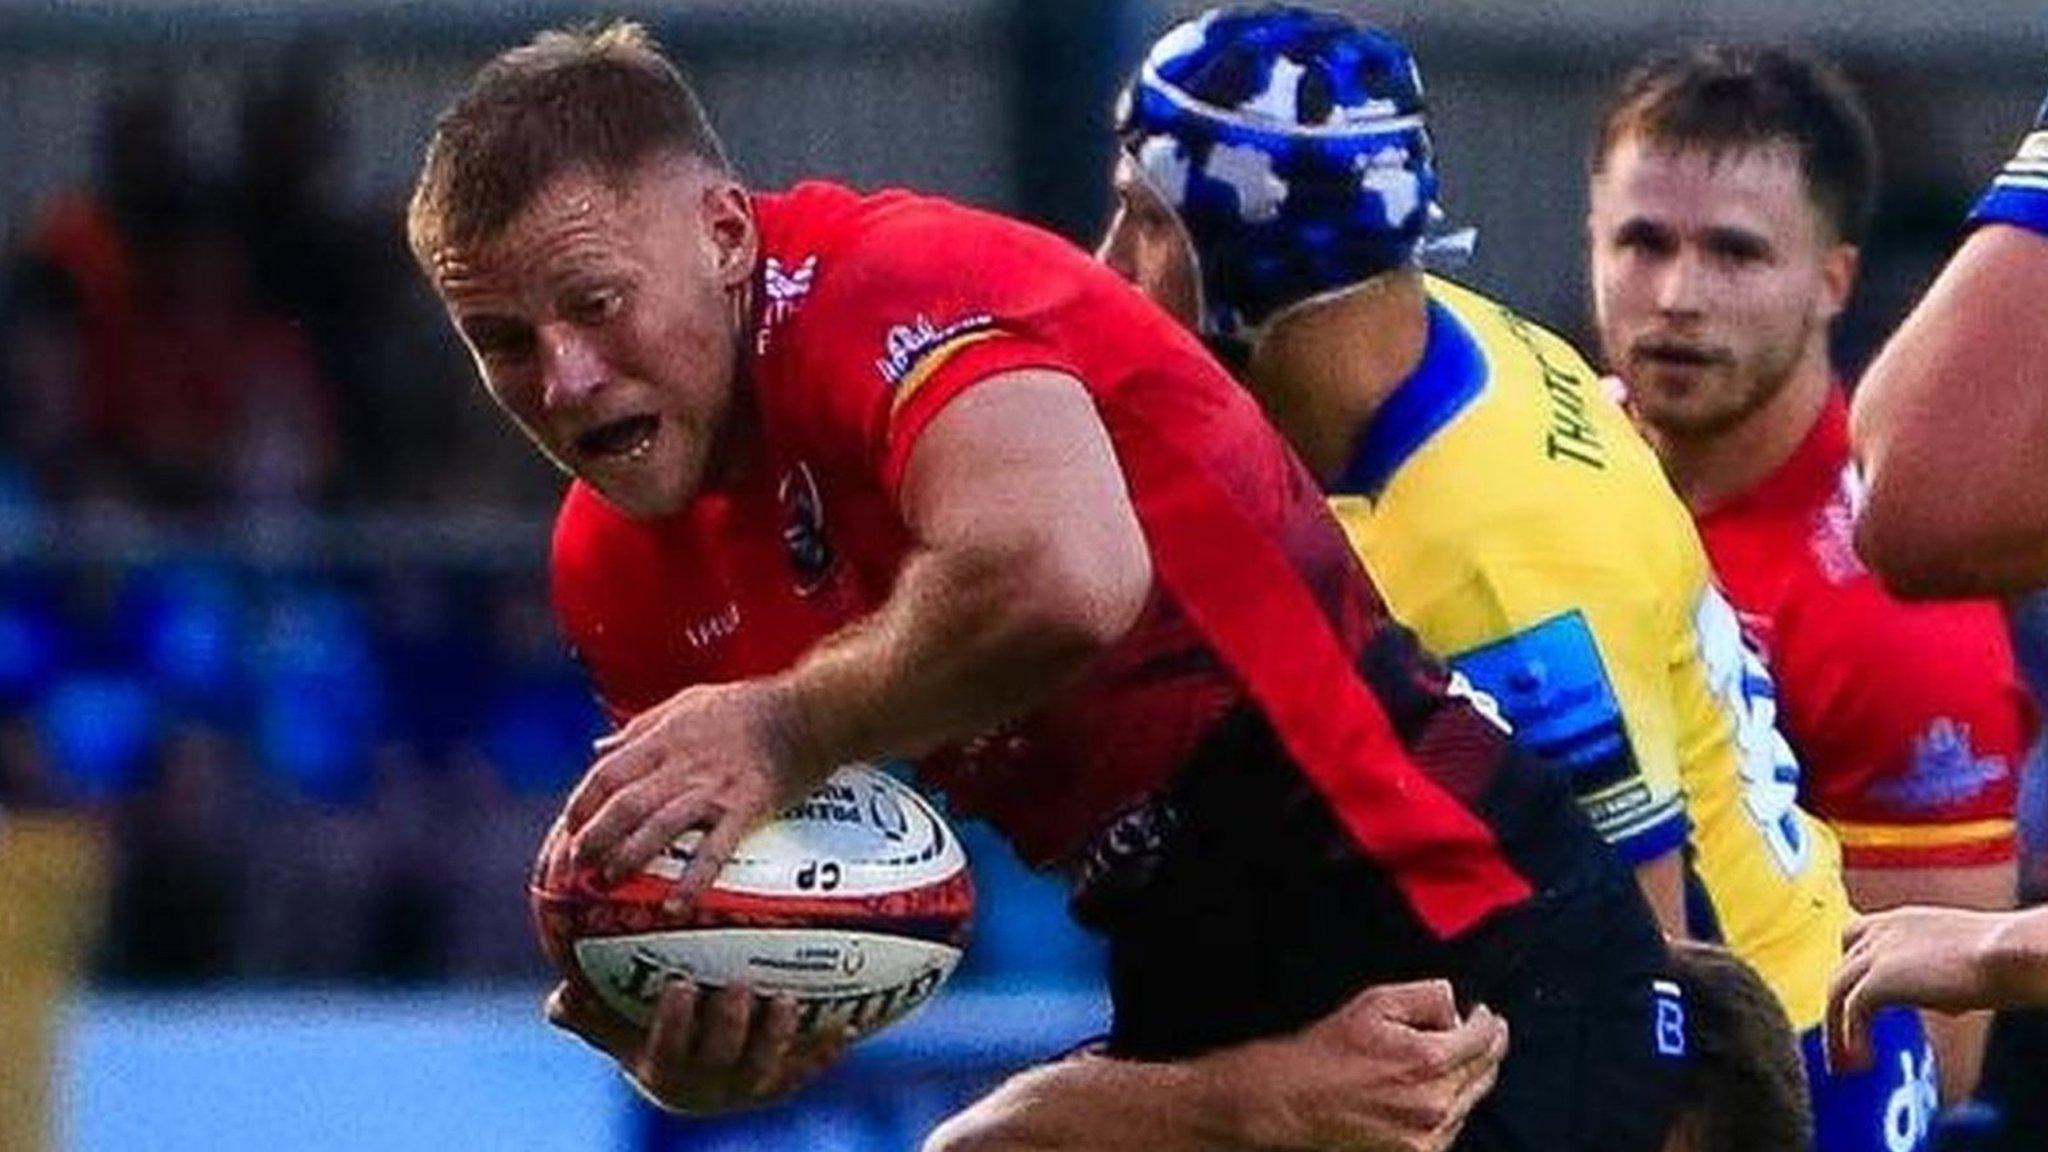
[
  {"x": 934, "y": 359},
  {"x": 1925, "y": 845},
  {"x": 944, "y": 373}
]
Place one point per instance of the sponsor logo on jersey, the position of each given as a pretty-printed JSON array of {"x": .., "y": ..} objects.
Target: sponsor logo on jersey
[
  {"x": 911, "y": 350},
  {"x": 706, "y": 631},
  {"x": 1834, "y": 530},
  {"x": 1757, "y": 630},
  {"x": 785, "y": 287},
  {"x": 1732, "y": 649},
  {"x": 1617, "y": 808},
  {"x": 1572, "y": 435},
  {"x": 1669, "y": 1034},
  {"x": 1910, "y": 1107},
  {"x": 803, "y": 528},
  {"x": 1122, "y": 857},
  {"x": 1945, "y": 770}
]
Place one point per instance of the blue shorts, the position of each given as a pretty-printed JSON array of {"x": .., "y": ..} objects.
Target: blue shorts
[{"x": 1889, "y": 1108}]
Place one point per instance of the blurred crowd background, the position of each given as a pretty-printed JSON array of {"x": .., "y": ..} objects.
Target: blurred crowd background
[{"x": 272, "y": 601}]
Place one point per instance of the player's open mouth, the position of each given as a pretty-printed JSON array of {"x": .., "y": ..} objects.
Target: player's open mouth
[
  {"x": 1679, "y": 355},
  {"x": 631, "y": 437}
]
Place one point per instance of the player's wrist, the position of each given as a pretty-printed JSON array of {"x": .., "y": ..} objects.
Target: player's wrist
[
  {"x": 1240, "y": 1101},
  {"x": 2013, "y": 959},
  {"x": 792, "y": 737},
  {"x": 2018, "y": 195}
]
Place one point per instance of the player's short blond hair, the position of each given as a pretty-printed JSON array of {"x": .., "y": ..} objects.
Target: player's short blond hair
[{"x": 600, "y": 98}]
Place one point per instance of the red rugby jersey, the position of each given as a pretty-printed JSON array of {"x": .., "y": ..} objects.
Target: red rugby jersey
[
  {"x": 872, "y": 313},
  {"x": 1910, "y": 718}
]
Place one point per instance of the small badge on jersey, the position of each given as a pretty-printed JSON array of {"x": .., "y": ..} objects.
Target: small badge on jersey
[
  {"x": 784, "y": 287},
  {"x": 1944, "y": 773},
  {"x": 803, "y": 528},
  {"x": 912, "y": 351},
  {"x": 1833, "y": 541},
  {"x": 1668, "y": 1023}
]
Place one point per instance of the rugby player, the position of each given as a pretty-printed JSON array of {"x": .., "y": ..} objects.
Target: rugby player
[
  {"x": 864, "y": 476},
  {"x": 1951, "y": 421},
  {"x": 1730, "y": 187},
  {"x": 1502, "y": 504}
]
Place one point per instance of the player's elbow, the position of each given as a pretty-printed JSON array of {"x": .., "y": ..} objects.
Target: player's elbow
[
  {"x": 954, "y": 1136},
  {"x": 1085, "y": 595},
  {"x": 1923, "y": 553},
  {"x": 1900, "y": 557},
  {"x": 989, "y": 1126}
]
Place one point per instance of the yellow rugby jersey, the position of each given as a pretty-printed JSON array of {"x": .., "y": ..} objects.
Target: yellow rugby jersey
[{"x": 1516, "y": 522}]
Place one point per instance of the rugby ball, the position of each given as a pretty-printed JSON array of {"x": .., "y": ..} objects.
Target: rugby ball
[{"x": 856, "y": 902}]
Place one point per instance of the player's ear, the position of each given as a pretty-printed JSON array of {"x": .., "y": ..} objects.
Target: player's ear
[
  {"x": 1838, "y": 277},
  {"x": 729, "y": 228}
]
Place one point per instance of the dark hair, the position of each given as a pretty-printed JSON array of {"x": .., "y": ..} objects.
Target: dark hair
[
  {"x": 1721, "y": 98},
  {"x": 601, "y": 98},
  {"x": 1746, "y": 1089}
]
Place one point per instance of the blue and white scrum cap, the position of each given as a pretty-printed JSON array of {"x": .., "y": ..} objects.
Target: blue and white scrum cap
[{"x": 1292, "y": 143}]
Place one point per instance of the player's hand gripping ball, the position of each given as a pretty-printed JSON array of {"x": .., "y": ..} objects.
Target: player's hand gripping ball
[{"x": 855, "y": 902}]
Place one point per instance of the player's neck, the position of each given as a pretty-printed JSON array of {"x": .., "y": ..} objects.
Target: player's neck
[
  {"x": 1709, "y": 470},
  {"x": 1322, "y": 369},
  {"x": 738, "y": 448},
  {"x": 738, "y": 451}
]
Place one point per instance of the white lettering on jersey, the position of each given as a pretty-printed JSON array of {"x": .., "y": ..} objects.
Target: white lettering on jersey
[{"x": 1769, "y": 770}]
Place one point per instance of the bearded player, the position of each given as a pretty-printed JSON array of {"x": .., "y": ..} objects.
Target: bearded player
[
  {"x": 1730, "y": 188},
  {"x": 865, "y": 476}
]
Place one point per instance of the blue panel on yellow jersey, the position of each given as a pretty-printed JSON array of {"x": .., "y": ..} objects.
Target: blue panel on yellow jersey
[
  {"x": 1555, "y": 691},
  {"x": 1551, "y": 683}
]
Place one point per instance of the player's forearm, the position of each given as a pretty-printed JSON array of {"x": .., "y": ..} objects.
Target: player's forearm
[
  {"x": 970, "y": 637},
  {"x": 1094, "y": 1104}
]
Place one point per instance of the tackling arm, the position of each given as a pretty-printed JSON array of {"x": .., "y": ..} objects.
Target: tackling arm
[{"x": 1393, "y": 1070}]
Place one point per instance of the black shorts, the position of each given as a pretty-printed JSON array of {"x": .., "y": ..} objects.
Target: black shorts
[{"x": 1236, "y": 906}]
